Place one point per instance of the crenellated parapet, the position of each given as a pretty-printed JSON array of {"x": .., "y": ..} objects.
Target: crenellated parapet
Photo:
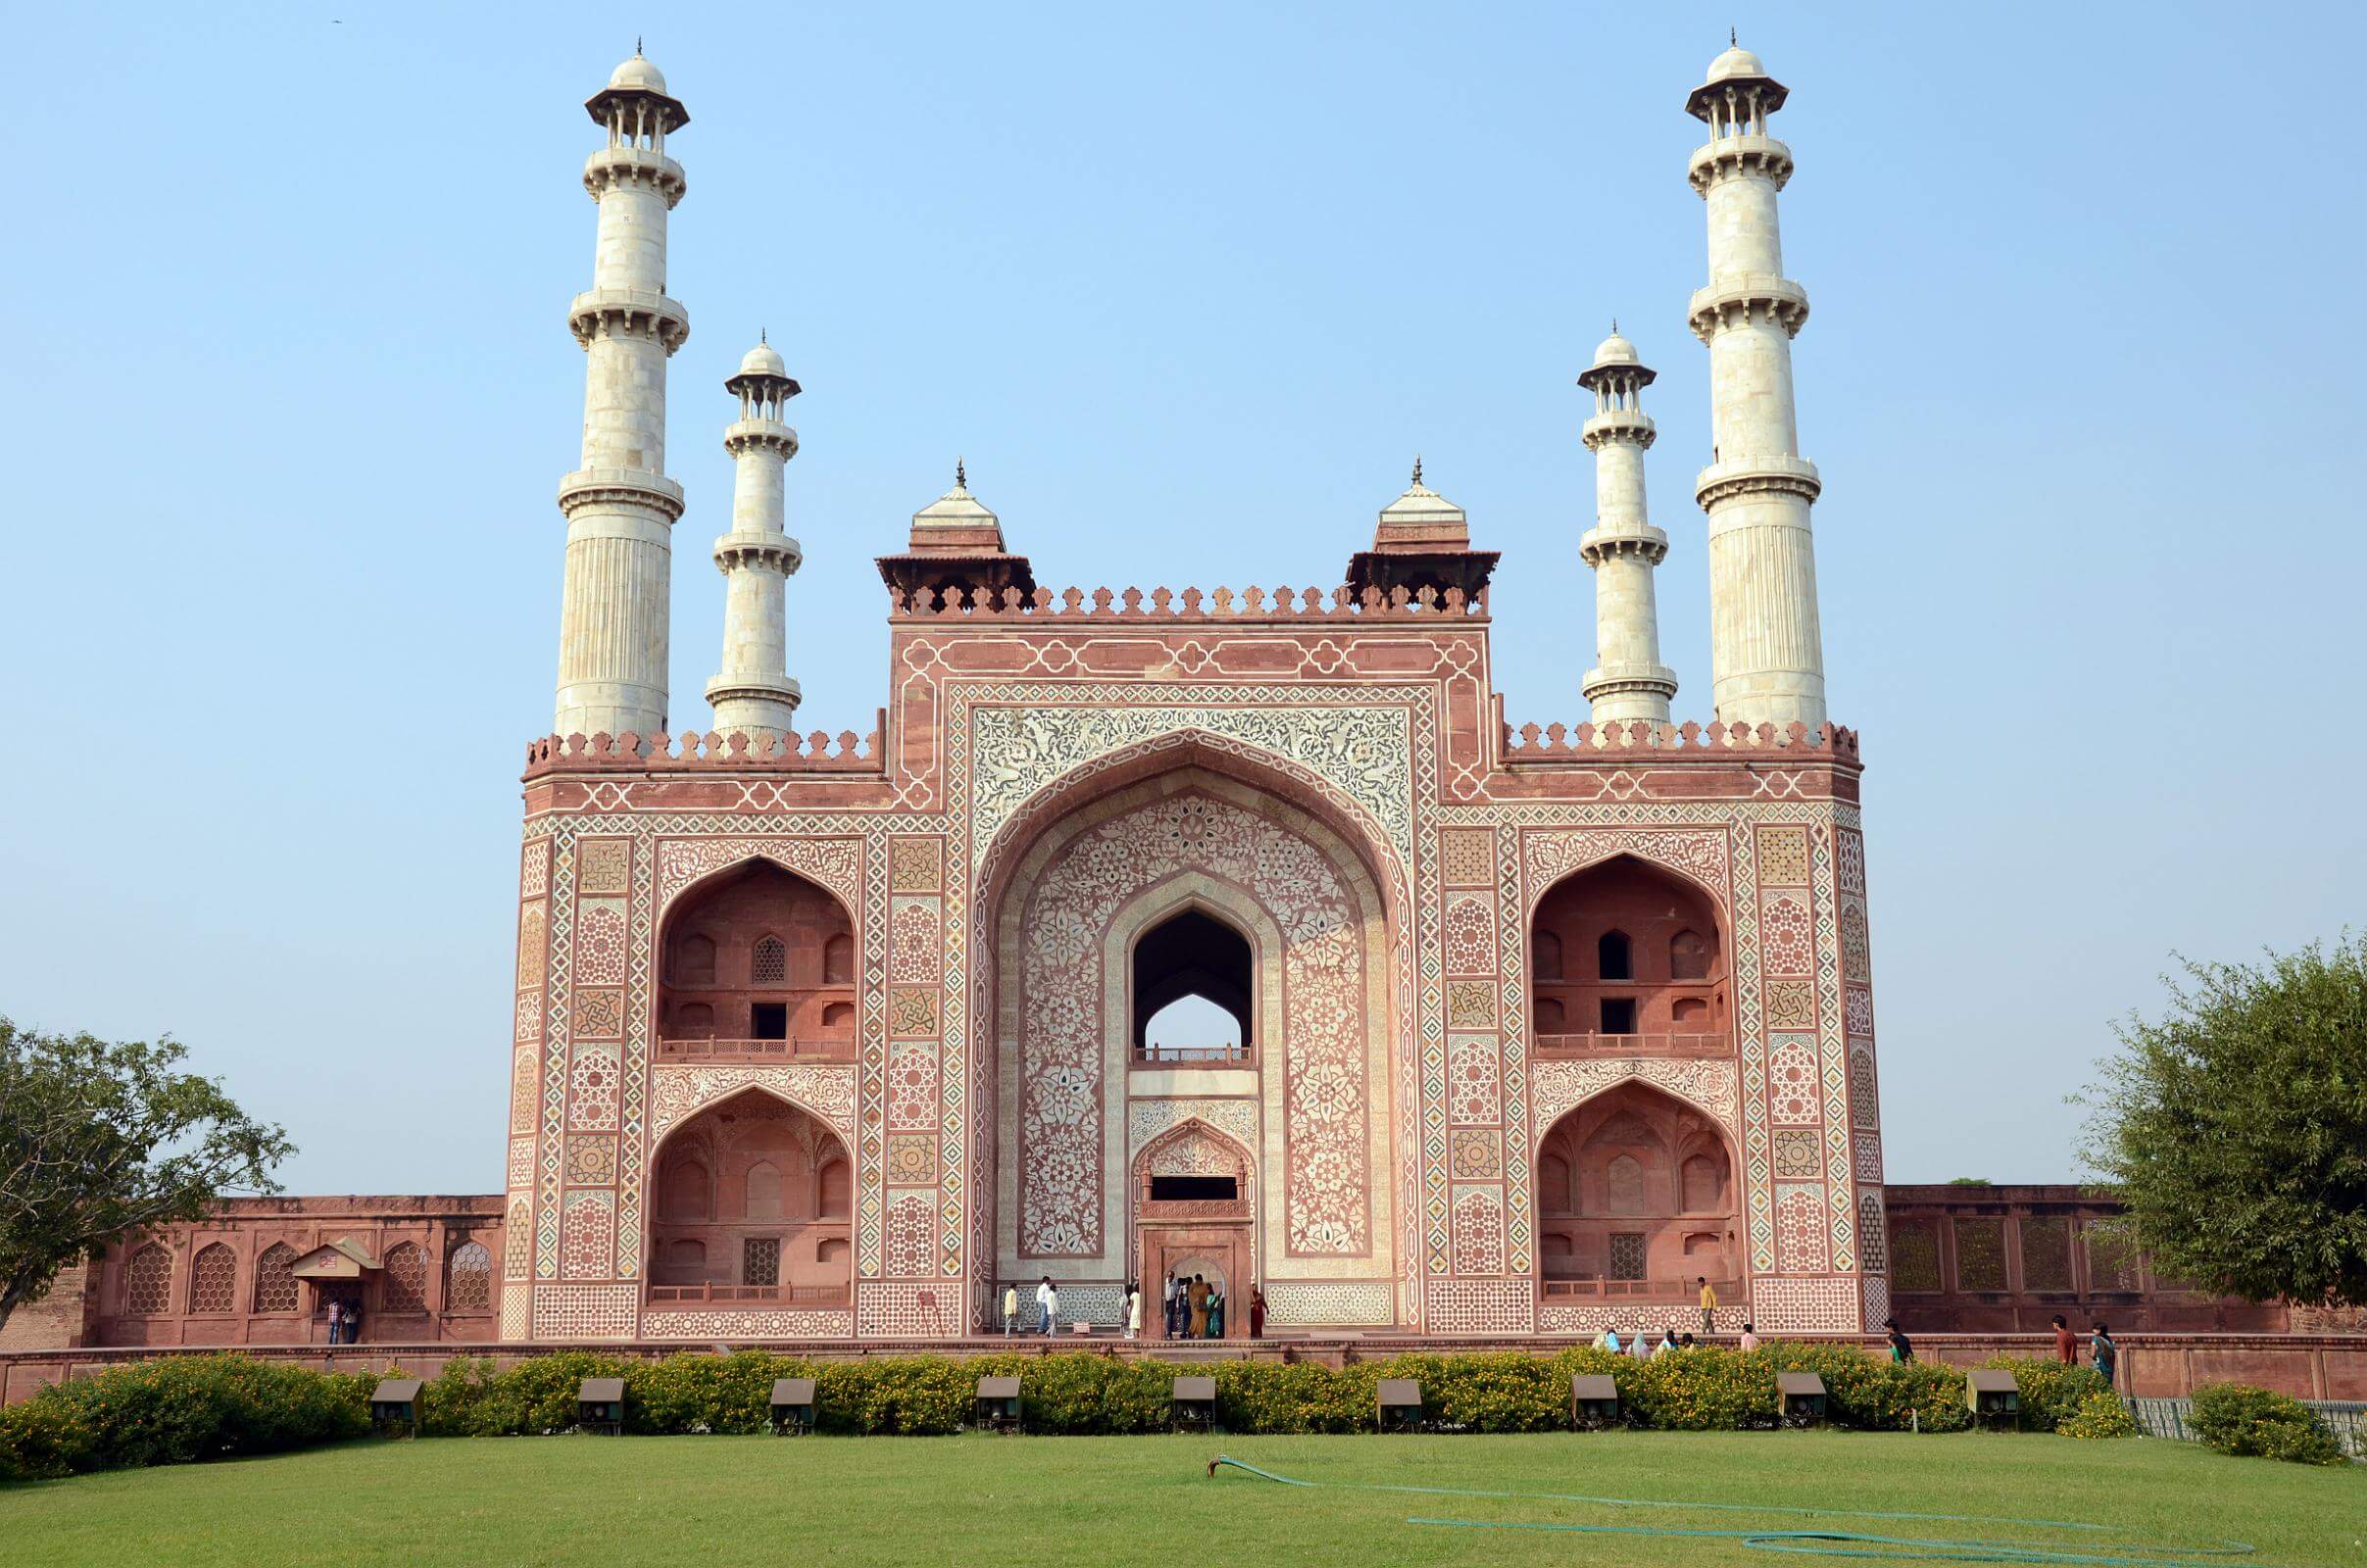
[
  {"x": 1099, "y": 606},
  {"x": 818, "y": 751},
  {"x": 1532, "y": 743}
]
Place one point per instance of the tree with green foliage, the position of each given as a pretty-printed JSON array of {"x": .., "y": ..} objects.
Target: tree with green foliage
[
  {"x": 2235, "y": 1127},
  {"x": 101, "y": 1137}
]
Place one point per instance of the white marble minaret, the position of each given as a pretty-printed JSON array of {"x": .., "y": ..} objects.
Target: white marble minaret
[
  {"x": 1767, "y": 653},
  {"x": 621, "y": 507},
  {"x": 754, "y": 695},
  {"x": 1628, "y": 681}
]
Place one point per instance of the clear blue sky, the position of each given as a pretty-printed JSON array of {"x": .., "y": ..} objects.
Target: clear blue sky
[{"x": 290, "y": 386}]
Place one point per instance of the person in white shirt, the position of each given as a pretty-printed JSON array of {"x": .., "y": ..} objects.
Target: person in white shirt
[
  {"x": 1636, "y": 1347},
  {"x": 1134, "y": 1310},
  {"x": 1749, "y": 1338},
  {"x": 1048, "y": 1301},
  {"x": 1666, "y": 1346}
]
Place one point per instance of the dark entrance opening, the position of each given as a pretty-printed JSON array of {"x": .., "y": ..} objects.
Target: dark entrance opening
[
  {"x": 768, "y": 1020},
  {"x": 1179, "y": 1189}
]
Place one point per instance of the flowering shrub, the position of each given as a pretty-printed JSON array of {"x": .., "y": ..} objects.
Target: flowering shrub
[
  {"x": 2238, "y": 1418},
  {"x": 178, "y": 1410},
  {"x": 2101, "y": 1414},
  {"x": 2051, "y": 1391}
]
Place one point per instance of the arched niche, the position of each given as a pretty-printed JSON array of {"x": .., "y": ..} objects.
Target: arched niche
[
  {"x": 748, "y": 1195},
  {"x": 757, "y": 953},
  {"x": 1194, "y": 955},
  {"x": 1637, "y": 1198},
  {"x": 1627, "y": 956},
  {"x": 1091, "y": 890}
]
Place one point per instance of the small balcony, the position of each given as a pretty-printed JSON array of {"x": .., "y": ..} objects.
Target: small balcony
[
  {"x": 1219, "y": 1056},
  {"x": 796, "y": 1048},
  {"x": 1563, "y": 1047},
  {"x": 1598, "y": 1289},
  {"x": 706, "y": 1294}
]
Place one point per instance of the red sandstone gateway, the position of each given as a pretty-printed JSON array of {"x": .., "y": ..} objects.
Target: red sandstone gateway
[{"x": 829, "y": 1041}]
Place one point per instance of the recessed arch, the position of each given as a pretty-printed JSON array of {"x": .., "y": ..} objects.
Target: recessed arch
[
  {"x": 745, "y": 955},
  {"x": 1648, "y": 1176},
  {"x": 742, "y": 1203},
  {"x": 1099, "y": 950},
  {"x": 1658, "y": 978},
  {"x": 1195, "y": 950}
]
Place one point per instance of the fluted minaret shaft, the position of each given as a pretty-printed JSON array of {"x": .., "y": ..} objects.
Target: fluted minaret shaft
[
  {"x": 1628, "y": 681},
  {"x": 753, "y": 695},
  {"x": 621, "y": 507},
  {"x": 1766, "y": 649}
]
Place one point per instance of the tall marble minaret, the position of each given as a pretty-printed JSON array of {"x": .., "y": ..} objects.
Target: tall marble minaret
[
  {"x": 754, "y": 695},
  {"x": 1628, "y": 681},
  {"x": 621, "y": 507},
  {"x": 1767, "y": 653}
]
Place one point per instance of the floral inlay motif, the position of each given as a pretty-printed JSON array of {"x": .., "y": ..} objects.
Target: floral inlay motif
[{"x": 1327, "y": 1100}]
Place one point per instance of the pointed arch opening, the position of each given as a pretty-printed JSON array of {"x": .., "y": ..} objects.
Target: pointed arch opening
[
  {"x": 1659, "y": 983},
  {"x": 1193, "y": 989},
  {"x": 757, "y": 965},
  {"x": 1637, "y": 1201},
  {"x": 751, "y": 1195}
]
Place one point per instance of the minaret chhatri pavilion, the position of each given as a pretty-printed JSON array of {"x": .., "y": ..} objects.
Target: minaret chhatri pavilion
[
  {"x": 621, "y": 507},
  {"x": 1628, "y": 681},
  {"x": 1766, "y": 651},
  {"x": 754, "y": 695}
]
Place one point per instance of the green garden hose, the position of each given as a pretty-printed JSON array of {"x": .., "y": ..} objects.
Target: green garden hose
[{"x": 1815, "y": 1543}]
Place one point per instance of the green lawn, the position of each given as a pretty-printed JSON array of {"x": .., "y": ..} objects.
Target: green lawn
[{"x": 1093, "y": 1502}]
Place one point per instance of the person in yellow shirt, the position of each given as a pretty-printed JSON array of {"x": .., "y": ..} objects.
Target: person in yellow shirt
[{"x": 1709, "y": 1305}]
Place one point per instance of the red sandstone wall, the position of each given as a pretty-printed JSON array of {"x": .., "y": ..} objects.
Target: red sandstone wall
[{"x": 438, "y": 1225}]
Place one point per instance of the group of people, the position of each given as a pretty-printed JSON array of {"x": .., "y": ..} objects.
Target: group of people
[
  {"x": 1190, "y": 1309},
  {"x": 344, "y": 1322},
  {"x": 2103, "y": 1354},
  {"x": 1195, "y": 1310},
  {"x": 1638, "y": 1342}
]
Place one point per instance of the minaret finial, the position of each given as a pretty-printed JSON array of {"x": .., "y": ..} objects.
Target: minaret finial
[
  {"x": 636, "y": 47},
  {"x": 1614, "y": 326},
  {"x": 1732, "y": 42},
  {"x": 961, "y": 476},
  {"x": 763, "y": 335},
  {"x": 1417, "y": 467}
]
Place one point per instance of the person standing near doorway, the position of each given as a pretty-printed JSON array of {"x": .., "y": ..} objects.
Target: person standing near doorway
[
  {"x": 353, "y": 1322},
  {"x": 1257, "y": 1312},
  {"x": 336, "y": 1321},
  {"x": 1010, "y": 1307},
  {"x": 1048, "y": 1302},
  {"x": 1216, "y": 1310},
  {"x": 1170, "y": 1295},
  {"x": 1134, "y": 1310},
  {"x": 1709, "y": 1305},
  {"x": 1196, "y": 1303}
]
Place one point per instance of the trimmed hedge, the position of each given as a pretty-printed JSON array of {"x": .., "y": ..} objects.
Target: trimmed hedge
[
  {"x": 178, "y": 1410},
  {"x": 2238, "y": 1418}
]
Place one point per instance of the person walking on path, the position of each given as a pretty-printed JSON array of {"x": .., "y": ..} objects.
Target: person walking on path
[
  {"x": 1010, "y": 1307},
  {"x": 1607, "y": 1339},
  {"x": 1709, "y": 1305},
  {"x": 2066, "y": 1342},
  {"x": 1134, "y": 1311},
  {"x": 1666, "y": 1346},
  {"x": 2106, "y": 1354},
  {"x": 1636, "y": 1348},
  {"x": 1048, "y": 1301},
  {"x": 1749, "y": 1338},
  {"x": 1902, "y": 1349}
]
